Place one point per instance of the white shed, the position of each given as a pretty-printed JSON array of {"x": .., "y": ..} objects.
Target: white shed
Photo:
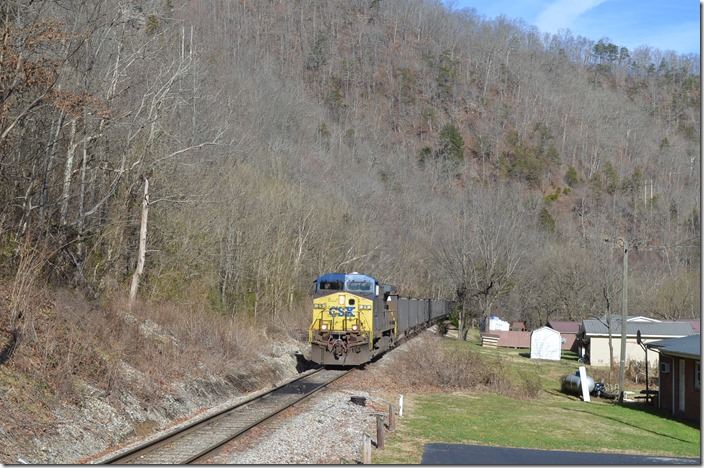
[{"x": 545, "y": 343}]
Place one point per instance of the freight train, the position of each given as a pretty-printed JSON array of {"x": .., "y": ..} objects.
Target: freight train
[{"x": 356, "y": 317}]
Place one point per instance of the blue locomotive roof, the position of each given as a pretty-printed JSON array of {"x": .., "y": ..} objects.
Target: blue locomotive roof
[{"x": 344, "y": 279}]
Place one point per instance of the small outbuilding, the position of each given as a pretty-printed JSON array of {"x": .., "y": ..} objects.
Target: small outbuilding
[
  {"x": 495, "y": 323},
  {"x": 545, "y": 343}
]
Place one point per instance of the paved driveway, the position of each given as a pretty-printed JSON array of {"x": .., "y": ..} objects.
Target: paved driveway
[{"x": 459, "y": 454}]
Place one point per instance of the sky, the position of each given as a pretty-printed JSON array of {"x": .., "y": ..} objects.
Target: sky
[{"x": 661, "y": 24}]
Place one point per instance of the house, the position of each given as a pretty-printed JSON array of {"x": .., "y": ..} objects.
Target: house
[
  {"x": 518, "y": 326},
  {"x": 545, "y": 343},
  {"x": 594, "y": 337},
  {"x": 680, "y": 376},
  {"x": 568, "y": 331}
]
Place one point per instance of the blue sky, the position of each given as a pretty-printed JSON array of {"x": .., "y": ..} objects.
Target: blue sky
[{"x": 662, "y": 24}]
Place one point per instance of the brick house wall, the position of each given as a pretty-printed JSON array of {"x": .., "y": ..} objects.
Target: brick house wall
[
  {"x": 692, "y": 395},
  {"x": 670, "y": 392}
]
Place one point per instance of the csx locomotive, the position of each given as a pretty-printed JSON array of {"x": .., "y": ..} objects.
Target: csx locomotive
[{"x": 356, "y": 317}]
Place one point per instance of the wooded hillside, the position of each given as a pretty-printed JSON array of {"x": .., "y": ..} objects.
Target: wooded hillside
[{"x": 450, "y": 155}]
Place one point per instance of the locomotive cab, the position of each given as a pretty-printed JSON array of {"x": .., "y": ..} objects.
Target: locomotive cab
[{"x": 351, "y": 321}]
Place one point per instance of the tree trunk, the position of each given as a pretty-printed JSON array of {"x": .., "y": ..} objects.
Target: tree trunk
[
  {"x": 142, "y": 246},
  {"x": 68, "y": 172},
  {"x": 51, "y": 157}
]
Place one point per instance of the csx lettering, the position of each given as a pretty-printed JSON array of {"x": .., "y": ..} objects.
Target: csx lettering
[{"x": 341, "y": 311}]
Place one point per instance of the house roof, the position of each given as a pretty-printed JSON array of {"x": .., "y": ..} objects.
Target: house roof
[
  {"x": 593, "y": 327},
  {"x": 564, "y": 327},
  {"x": 637, "y": 318},
  {"x": 630, "y": 318},
  {"x": 688, "y": 346},
  {"x": 695, "y": 323}
]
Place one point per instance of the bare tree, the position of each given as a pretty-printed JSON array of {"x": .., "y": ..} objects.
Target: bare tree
[{"x": 490, "y": 235}]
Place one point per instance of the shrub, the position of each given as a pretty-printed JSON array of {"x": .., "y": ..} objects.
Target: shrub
[
  {"x": 571, "y": 177},
  {"x": 425, "y": 363}
]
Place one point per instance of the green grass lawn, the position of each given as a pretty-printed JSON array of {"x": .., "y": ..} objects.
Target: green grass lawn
[{"x": 555, "y": 421}]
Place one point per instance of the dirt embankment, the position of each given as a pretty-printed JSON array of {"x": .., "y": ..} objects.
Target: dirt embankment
[{"x": 77, "y": 380}]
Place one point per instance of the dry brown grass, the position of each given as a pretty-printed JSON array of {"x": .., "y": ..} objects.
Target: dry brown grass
[
  {"x": 70, "y": 341},
  {"x": 425, "y": 363},
  {"x": 168, "y": 343},
  {"x": 54, "y": 341}
]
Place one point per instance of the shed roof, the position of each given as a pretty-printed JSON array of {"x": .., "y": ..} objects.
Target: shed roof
[
  {"x": 688, "y": 346},
  {"x": 564, "y": 327},
  {"x": 543, "y": 330},
  {"x": 593, "y": 327}
]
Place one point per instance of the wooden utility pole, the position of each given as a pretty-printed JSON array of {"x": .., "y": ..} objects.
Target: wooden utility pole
[{"x": 624, "y": 323}]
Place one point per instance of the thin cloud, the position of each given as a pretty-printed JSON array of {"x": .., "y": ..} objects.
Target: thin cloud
[{"x": 562, "y": 14}]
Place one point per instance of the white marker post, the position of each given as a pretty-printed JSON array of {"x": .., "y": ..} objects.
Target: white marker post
[
  {"x": 584, "y": 383},
  {"x": 400, "y": 406}
]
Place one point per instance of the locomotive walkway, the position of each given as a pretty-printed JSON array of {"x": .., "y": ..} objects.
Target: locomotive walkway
[{"x": 459, "y": 454}]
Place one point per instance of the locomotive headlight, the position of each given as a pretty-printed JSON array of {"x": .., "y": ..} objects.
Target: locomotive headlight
[
  {"x": 341, "y": 299},
  {"x": 355, "y": 327},
  {"x": 324, "y": 326}
]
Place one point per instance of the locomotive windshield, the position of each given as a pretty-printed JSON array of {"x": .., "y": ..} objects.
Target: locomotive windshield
[
  {"x": 350, "y": 282},
  {"x": 330, "y": 286},
  {"x": 359, "y": 286}
]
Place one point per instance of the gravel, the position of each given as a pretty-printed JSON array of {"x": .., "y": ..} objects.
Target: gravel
[{"x": 328, "y": 429}]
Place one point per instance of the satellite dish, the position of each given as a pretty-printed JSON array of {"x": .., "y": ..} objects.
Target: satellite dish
[{"x": 638, "y": 339}]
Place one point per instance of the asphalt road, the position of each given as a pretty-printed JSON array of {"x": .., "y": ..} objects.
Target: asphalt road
[{"x": 459, "y": 454}]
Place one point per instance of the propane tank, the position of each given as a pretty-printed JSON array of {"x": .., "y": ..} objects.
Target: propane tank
[{"x": 573, "y": 383}]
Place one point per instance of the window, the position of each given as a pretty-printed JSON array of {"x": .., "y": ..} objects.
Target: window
[
  {"x": 362, "y": 286},
  {"x": 330, "y": 286},
  {"x": 697, "y": 375}
]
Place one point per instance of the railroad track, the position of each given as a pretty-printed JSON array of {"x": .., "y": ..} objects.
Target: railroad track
[{"x": 196, "y": 442}]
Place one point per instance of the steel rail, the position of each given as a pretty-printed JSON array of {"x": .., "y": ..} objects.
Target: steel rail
[{"x": 197, "y": 441}]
